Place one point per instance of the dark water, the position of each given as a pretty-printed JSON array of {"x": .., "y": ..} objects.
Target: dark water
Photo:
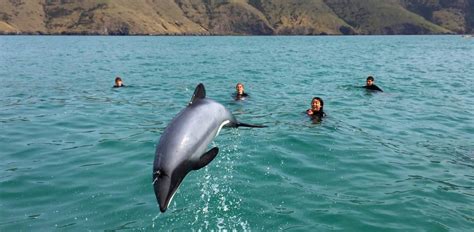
[{"x": 77, "y": 154}]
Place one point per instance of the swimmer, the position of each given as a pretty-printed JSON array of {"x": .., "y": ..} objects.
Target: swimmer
[
  {"x": 118, "y": 83},
  {"x": 317, "y": 109},
  {"x": 370, "y": 84},
  {"x": 240, "y": 92}
]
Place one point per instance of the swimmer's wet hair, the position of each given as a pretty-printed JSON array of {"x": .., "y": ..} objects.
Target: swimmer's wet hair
[
  {"x": 118, "y": 79},
  {"x": 370, "y": 78}
]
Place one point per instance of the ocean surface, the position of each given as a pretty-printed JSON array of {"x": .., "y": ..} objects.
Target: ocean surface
[{"x": 77, "y": 154}]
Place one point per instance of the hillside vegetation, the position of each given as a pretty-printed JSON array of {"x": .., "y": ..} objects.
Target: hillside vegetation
[{"x": 236, "y": 17}]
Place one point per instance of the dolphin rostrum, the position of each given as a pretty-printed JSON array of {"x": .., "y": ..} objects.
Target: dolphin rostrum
[{"x": 182, "y": 146}]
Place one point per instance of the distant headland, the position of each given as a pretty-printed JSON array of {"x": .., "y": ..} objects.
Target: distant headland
[{"x": 236, "y": 17}]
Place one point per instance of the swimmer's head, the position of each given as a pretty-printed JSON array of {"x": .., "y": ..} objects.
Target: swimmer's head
[
  {"x": 239, "y": 88},
  {"x": 370, "y": 80},
  {"x": 317, "y": 104},
  {"x": 118, "y": 81}
]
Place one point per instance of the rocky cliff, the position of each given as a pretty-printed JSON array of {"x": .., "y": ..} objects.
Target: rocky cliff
[{"x": 236, "y": 17}]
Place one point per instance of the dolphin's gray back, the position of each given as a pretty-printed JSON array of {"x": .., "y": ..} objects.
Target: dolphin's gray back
[{"x": 187, "y": 136}]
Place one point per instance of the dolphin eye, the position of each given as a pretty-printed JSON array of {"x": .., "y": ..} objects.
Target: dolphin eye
[{"x": 159, "y": 173}]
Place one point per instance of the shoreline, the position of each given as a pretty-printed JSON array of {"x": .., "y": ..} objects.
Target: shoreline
[{"x": 223, "y": 35}]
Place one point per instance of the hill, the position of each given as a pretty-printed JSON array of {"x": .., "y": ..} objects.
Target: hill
[{"x": 236, "y": 17}]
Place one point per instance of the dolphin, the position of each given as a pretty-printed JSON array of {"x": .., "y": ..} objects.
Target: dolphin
[{"x": 182, "y": 146}]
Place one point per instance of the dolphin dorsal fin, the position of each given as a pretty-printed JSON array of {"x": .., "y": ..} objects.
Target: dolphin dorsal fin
[{"x": 199, "y": 93}]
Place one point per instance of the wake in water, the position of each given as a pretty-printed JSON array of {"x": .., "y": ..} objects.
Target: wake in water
[{"x": 219, "y": 204}]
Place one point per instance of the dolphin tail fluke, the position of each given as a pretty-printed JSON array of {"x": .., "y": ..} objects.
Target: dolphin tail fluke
[
  {"x": 239, "y": 124},
  {"x": 206, "y": 158}
]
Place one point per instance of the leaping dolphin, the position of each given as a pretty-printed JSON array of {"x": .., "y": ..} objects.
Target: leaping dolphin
[{"x": 182, "y": 146}]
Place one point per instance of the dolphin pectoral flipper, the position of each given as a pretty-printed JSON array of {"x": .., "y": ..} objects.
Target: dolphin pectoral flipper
[
  {"x": 239, "y": 124},
  {"x": 206, "y": 158}
]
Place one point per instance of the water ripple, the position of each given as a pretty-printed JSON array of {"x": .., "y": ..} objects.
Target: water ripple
[{"x": 77, "y": 153}]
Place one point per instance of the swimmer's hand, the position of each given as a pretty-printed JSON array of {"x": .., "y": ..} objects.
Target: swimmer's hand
[{"x": 309, "y": 112}]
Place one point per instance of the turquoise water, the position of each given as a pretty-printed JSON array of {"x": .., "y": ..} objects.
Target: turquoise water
[{"x": 77, "y": 154}]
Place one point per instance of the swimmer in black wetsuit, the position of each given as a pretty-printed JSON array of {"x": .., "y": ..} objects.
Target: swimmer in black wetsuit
[
  {"x": 118, "y": 83},
  {"x": 370, "y": 84},
  {"x": 316, "y": 113},
  {"x": 240, "y": 93}
]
